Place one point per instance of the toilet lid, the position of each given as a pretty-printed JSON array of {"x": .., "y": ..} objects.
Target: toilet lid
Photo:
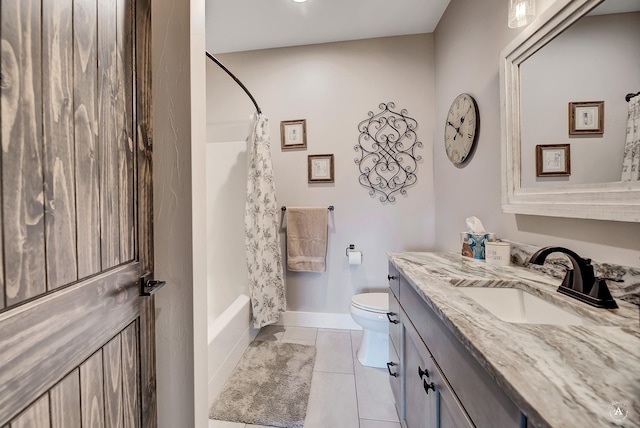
[{"x": 375, "y": 302}]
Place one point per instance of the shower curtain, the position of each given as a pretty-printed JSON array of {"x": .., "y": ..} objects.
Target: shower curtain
[
  {"x": 631, "y": 158},
  {"x": 262, "y": 237}
]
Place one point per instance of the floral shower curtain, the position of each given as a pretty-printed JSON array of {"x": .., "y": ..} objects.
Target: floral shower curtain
[
  {"x": 631, "y": 158},
  {"x": 262, "y": 237}
]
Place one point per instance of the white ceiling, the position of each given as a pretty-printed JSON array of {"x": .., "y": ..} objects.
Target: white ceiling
[{"x": 240, "y": 25}]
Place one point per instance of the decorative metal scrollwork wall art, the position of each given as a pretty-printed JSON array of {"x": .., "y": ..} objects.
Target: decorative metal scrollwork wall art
[{"x": 387, "y": 144}]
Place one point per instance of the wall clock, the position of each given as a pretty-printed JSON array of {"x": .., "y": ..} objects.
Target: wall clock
[{"x": 460, "y": 131}]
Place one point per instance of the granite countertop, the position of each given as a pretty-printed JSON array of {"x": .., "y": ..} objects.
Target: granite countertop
[{"x": 558, "y": 375}]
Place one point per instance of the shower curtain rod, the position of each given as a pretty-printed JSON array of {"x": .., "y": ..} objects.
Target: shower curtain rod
[{"x": 253, "y": 100}]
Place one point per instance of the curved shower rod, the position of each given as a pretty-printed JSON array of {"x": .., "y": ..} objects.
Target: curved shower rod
[{"x": 221, "y": 65}]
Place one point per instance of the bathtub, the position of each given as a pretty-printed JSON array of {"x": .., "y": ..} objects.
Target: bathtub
[{"x": 229, "y": 336}]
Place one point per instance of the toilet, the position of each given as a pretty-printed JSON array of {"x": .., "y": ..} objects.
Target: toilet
[{"x": 369, "y": 310}]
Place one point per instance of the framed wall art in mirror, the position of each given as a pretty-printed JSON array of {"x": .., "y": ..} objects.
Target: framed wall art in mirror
[
  {"x": 586, "y": 118},
  {"x": 527, "y": 113},
  {"x": 553, "y": 160}
]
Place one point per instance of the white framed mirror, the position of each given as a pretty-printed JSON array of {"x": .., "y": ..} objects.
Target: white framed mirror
[{"x": 557, "y": 66}]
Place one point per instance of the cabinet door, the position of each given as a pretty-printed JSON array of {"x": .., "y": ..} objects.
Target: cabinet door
[
  {"x": 394, "y": 320},
  {"x": 449, "y": 411},
  {"x": 420, "y": 394},
  {"x": 396, "y": 376}
]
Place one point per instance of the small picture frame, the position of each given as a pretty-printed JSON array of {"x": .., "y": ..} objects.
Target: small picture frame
[
  {"x": 553, "y": 160},
  {"x": 293, "y": 134},
  {"x": 320, "y": 168},
  {"x": 586, "y": 118}
]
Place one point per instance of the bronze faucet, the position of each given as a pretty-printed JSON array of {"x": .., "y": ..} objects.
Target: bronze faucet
[{"x": 579, "y": 282}]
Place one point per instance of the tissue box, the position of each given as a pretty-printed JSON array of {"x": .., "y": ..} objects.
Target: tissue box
[{"x": 473, "y": 244}]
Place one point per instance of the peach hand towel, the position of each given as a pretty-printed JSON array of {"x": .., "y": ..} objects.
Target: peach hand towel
[{"x": 307, "y": 239}]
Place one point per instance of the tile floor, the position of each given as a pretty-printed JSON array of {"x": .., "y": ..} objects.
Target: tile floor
[{"x": 344, "y": 394}]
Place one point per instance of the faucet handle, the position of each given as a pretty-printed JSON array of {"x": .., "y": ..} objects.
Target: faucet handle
[{"x": 601, "y": 293}]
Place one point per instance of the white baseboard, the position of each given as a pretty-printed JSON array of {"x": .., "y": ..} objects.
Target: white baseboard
[{"x": 318, "y": 320}]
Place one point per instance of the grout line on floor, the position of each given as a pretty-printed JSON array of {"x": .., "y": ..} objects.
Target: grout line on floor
[{"x": 355, "y": 381}]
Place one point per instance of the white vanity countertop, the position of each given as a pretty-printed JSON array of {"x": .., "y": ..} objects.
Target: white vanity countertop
[{"x": 559, "y": 376}]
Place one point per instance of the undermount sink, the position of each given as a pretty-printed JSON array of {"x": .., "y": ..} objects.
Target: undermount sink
[{"x": 518, "y": 306}]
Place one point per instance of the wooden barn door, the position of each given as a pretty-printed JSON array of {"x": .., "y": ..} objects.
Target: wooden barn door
[{"x": 76, "y": 339}]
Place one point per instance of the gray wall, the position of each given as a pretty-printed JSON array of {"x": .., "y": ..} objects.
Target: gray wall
[
  {"x": 468, "y": 41},
  {"x": 179, "y": 211},
  {"x": 333, "y": 86}
]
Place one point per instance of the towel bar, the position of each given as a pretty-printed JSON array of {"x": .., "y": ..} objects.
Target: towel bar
[{"x": 330, "y": 208}]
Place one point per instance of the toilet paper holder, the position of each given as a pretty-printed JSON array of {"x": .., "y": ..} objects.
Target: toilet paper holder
[
  {"x": 355, "y": 257},
  {"x": 350, "y": 247}
]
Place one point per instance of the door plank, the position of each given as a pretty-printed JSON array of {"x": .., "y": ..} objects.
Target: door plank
[
  {"x": 85, "y": 130},
  {"x": 37, "y": 415},
  {"x": 125, "y": 42},
  {"x": 8, "y": 69},
  {"x": 35, "y": 341},
  {"x": 144, "y": 137},
  {"x": 130, "y": 366},
  {"x": 109, "y": 121},
  {"x": 113, "y": 388},
  {"x": 91, "y": 393},
  {"x": 22, "y": 206},
  {"x": 144, "y": 120},
  {"x": 45, "y": 340},
  {"x": 59, "y": 172},
  {"x": 65, "y": 402}
]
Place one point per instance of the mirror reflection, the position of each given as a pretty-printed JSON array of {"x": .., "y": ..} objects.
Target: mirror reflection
[{"x": 595, "y": 60}]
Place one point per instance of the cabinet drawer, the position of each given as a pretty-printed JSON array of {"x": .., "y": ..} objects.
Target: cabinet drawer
[
  {"x": 394, "y": 321},
  {"x": 394, "y": 280},
  {"x": 479, "y": 394}
]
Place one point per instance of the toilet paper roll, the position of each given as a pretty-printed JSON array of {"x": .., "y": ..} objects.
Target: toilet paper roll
[{"x": 355, "y": 257}]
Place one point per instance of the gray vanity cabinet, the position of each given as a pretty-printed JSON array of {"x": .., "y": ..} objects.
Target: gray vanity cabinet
[
  {"x": 439, "y": 383},
  {"x": 430, "y": 401},
  {"x": 420, "y": 402},
  {"x": 396, "y": 338}
]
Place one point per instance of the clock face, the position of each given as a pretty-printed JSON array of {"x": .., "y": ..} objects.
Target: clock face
[{"x": 460, "y": 128}]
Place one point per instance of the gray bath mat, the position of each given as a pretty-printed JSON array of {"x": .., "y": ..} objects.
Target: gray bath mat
[{"x": 269, "y": 386}]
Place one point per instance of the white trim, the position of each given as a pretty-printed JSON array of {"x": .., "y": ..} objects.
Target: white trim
[
  {"x": 318, "y": 320},
  {"x": 229, "y": 337}
]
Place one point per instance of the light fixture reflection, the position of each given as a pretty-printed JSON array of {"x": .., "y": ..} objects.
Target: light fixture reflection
[
  {"x": 299, "y": 1},
  {"x": 521, "y": 12}
]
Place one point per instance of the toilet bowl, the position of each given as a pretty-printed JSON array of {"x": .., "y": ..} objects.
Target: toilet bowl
[{"x": 369, "y": 310}]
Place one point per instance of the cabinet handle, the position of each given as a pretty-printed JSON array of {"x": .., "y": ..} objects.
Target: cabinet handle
[
  {"x": 428, "y": 386},
  {"x": 391, "y": 277},
  {"x": 389, "y": 365},
  {"x": 422, "y": 372},
  {"x": 392, "y": 314}
]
